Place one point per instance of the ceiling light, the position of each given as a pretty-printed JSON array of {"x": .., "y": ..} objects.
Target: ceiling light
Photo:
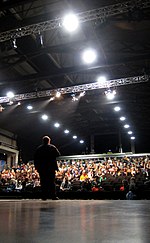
[
  {"x": 89, "y": 56},
  {"x": 81, "y": 141},
  {"x": 66, "y": 131},
  {"x": 132, "y": 138},
  {"x": 101, "y": 79},
  {"x": 44, "y": 117},
  {"x": 110, "y": 94},
  {"x": 29, "y": 107},
  {"x": 122, "y": 118},
  {"x": 58, "y": 94},
  {"x": 74, "y": 137},
  {"x": 56, "y": 124},
  {"x": 70, "y": 22},
  {"x": 130, "y": 132},
  {"x": 117, "y": 108},
  {"x": 82, "y": 94},
  {"x": 10, "y": 94},
  {"x": 126, "y": 126}
]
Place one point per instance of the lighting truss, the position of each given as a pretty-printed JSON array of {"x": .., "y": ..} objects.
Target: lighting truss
[
  {"x": 77, "y": 88},
  {"x": 100, "y": 13}
]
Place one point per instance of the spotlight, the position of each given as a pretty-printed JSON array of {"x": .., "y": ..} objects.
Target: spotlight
[
  {"x": 1, "y": 108},
  {"x": 66, "y": 131},
  {"x": 14, "y": 43},
  {"x": 101, "y": 79},
  {"x": 126, "y": 126},
  {"x": 74, "y": 98},
  {"x": 130, "y": 132},
  {"x": 122, "y": 118},
  {"x": 132, "y": 138},
  {"x": 82, "y": 94},
  {"x": 70, "y": 22},
  {"x": 89, "y": 56},
  {"x": 117, "y": 108},
  {"x": 110, "y": 94},
  {"x": 58, "y": 94},
  {"x": 44, "y": 117},
  {"x": 56, "y": 124},
  {"x": 81, "y": 141},
  {"x": 29, "y": 107},
  {"x": 10, "y": 95},
  {"x": 74, "y": 137}
]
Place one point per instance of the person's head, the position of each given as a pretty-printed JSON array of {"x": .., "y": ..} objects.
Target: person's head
[{"x": 46, "y": 140}]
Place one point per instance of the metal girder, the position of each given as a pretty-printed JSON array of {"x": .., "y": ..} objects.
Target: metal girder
[
  {"x": 77, "y": 88},
  {"x": 100, "y": 13}
]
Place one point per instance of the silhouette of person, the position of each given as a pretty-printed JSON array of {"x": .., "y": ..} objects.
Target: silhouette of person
[{"x": 46, "y": 165}]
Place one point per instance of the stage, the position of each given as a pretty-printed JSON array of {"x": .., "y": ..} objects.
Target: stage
[{"x": 75, "y": 221}]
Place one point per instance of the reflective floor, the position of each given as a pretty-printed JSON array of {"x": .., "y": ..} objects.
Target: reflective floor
[{"x": 23, "y": 221}]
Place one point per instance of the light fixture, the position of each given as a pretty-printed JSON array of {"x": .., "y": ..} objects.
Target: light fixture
[
  {"x": 130, "y": 132},
  {"x": 57, "y": 125},
  {"x": 70, "y": 22},
  {"x": 82, "y": 94},
  {"x": 132, "y": 138},
  {"x": 110, "y": 94},
  {"x": 10, "y": 95},
  {"x": 122, "y": 118},
  {"x": 44, "y": 117},
  {"x": 58, "y": 94},
  {"x": 101, "y": 79},
  {"x": 19, "y": 103},
  {"x": 89, "y": 56},
  {"x": 74, "y": 137},
  {"x": 126, "y": 126},
  {"x": 74, "y": 98},
  {"x": 29, "y": 107},
  {"x": 66, "y": 131},
  {"x": 117, "y": 108},
  {"x": 81, "y": 141}
]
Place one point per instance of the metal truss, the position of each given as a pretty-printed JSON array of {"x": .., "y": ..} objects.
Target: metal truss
[
  {"x": 100, "y": 13},
  {"x": 77, "y": 88}
]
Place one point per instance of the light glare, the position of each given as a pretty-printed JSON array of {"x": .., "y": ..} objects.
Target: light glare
[
  {"x": 70, "y": 22},
  {"x": 122, "y": 118},
  {"x": 66, "y": 131},
  {"x": 10, "y": 94},
  {"x": 89, "y": 56},
  {"x": 57, "y": 125},
  {"x": 126, "y": 126},
  {"x": 44, "y": 117},
  {"x": 117, "y": 108}
]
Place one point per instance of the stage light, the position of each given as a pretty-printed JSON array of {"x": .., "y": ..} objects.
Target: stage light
[
  {"x": 74, "y": 137},
  {"x": 126, "y": 126},
  {"x": 82, "y": 94},
  {"x": 110, "y": 94},
  {"x": 10, "y": 95},
  {"x": 117, "y": 108},
  {"x": 101, "y": 80},
  {"x": 74, "y": 98},
  {"x": 1, "y": 108},
  {"x": 57, "y": 125},
  {"x": 70, "y": 22},
  {"x": 29, "y": 107},
  {"x": 58, "y": 94},
  {"x": 122, "y": 118},
  {"x": 44, "y": 117},
  {"x": 81, "y": 141},
  {"x": 66, "y": 131},
  {"x": 132, "y": 138},
  {"x": 130, "y": 132},
  {"x": 89, "y": 56}
]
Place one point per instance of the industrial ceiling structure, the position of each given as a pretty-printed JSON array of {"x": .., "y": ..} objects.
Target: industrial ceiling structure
[{"x": 39, "y": 57}]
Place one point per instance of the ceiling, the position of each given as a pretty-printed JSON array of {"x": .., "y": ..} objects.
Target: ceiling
[{"x": 120, "y": 33}]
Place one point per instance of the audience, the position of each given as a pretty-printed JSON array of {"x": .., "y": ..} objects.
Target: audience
[{"x": 126, "y": 174}]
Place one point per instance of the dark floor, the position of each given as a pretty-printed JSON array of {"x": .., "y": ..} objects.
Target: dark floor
[{"x": 75, "y": 221}]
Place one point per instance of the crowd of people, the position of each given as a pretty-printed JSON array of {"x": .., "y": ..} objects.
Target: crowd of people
[{"x": 126, "y": 174}]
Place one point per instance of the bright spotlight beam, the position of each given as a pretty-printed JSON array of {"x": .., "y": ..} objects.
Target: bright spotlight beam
[{"x": 70, "y": 22}]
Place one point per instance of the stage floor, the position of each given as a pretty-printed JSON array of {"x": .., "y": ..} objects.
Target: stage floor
[{"x": 74, "y": 221}]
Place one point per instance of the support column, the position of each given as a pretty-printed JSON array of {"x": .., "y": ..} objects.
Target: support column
[{"x": 120, "y": 143}]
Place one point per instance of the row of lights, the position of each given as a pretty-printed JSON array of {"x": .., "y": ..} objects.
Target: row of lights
[
  {"x": 123, "y": 118},
  {"x": 57, "y": 125}
]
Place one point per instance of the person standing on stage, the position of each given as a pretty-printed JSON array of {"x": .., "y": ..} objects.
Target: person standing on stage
[{"x": 46, "y": 165}]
